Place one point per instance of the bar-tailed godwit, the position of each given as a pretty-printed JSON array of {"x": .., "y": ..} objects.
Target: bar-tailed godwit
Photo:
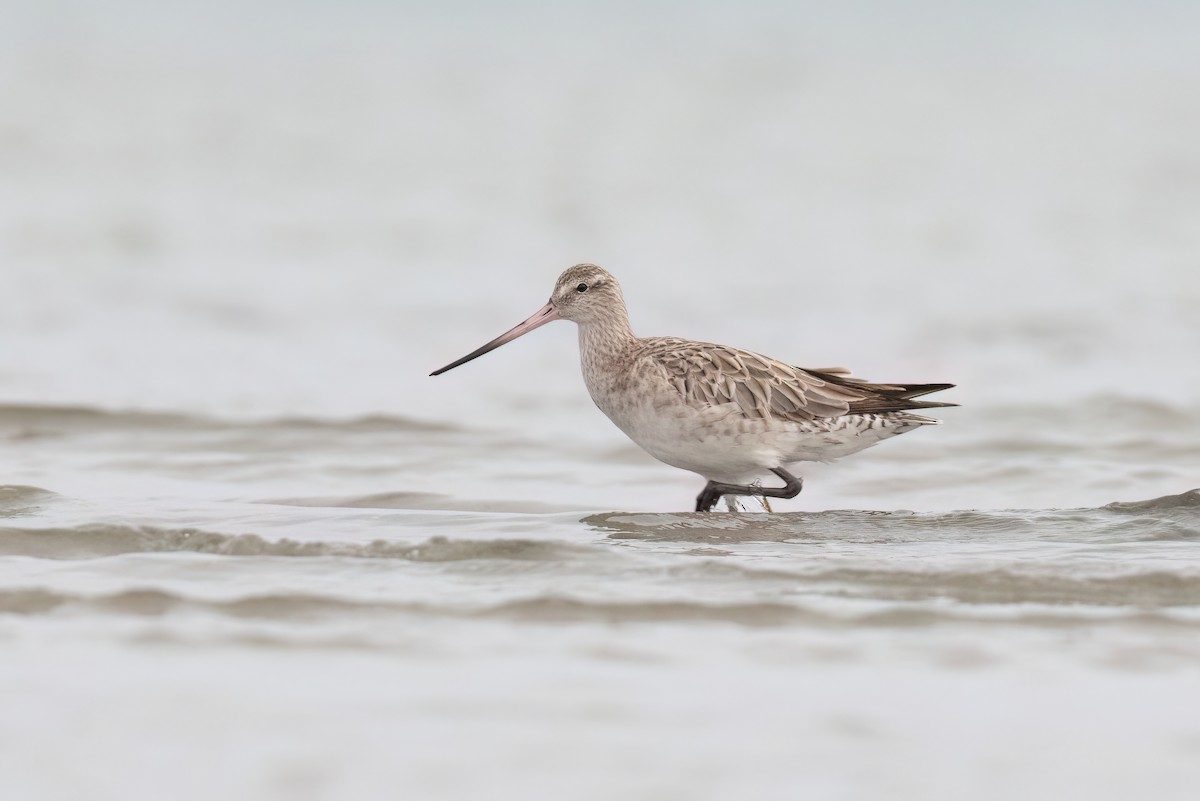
[{"x": 728, "y": 414}]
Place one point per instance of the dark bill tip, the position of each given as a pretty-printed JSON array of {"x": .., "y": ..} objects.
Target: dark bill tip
[{"x": 542, "y": 316}]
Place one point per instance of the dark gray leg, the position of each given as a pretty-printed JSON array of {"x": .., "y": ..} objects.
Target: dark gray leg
[{"x": 713, "y": 490}]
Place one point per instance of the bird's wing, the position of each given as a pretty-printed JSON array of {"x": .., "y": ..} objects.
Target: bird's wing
[{"x": 707, "y": 374}]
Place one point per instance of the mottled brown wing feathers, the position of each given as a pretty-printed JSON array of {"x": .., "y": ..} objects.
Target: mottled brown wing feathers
[{"x": 714, "y": 375}]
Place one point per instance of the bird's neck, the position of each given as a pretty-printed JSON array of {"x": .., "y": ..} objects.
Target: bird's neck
[{"x": 606, "y": 337}]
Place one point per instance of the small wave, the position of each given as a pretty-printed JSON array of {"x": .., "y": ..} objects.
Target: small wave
[
  {"x": 1145, "y": 590},
  {"x": 541, "y": 609},
  {"x": 366, "y": 423},
  {"x": 17, "y": 500},
  {"x": 991, "y": 587},
  {"x": 427, "y": 501},
  {"x": 99, "y": 540},
  {"x": 32, "y": 420},
  {"x": 549, "y": 609},
  {"x": 872, "y": 526},
  {"x": 154, "y": 602},
  {"x": 556, "y": 609},
  {"x": 1189, "y": 500},
  {"x": 1172, "y": 517}
]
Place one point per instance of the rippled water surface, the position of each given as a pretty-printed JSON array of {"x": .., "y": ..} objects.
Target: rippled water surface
[
  {"x": 250, "y": 550},
  {"x": 249, "y": 592}
]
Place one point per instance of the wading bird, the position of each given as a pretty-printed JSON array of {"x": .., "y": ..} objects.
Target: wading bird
[{"x": 730, "y": 415}]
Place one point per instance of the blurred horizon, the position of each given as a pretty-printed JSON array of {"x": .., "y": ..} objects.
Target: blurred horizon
[{"x": 339, "y": 198}]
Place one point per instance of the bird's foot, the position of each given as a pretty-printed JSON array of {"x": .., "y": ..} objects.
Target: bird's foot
[{"x": 714, "y": 490}]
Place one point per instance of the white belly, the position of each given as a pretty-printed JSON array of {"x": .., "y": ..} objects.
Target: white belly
[{"x": 720, "y": 443}]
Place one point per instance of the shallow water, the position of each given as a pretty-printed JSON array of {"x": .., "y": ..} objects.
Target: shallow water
[
  {"x": 214, "y": 590},
  {"x": 249, "y": 550}
]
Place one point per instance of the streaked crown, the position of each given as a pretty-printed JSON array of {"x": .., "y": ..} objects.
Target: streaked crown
[{"x": 586, "y": 293}]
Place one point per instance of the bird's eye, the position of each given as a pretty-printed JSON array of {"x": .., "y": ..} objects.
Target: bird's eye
[{"x": 581, "y": 288}]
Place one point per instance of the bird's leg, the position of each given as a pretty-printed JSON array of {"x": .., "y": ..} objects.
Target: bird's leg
[
  {"x": 708, "y": 497},
  {"x": 713, "y": 490}
]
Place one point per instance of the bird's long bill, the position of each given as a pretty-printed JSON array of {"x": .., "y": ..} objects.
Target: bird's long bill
[{"x": 542, "y": 316}]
